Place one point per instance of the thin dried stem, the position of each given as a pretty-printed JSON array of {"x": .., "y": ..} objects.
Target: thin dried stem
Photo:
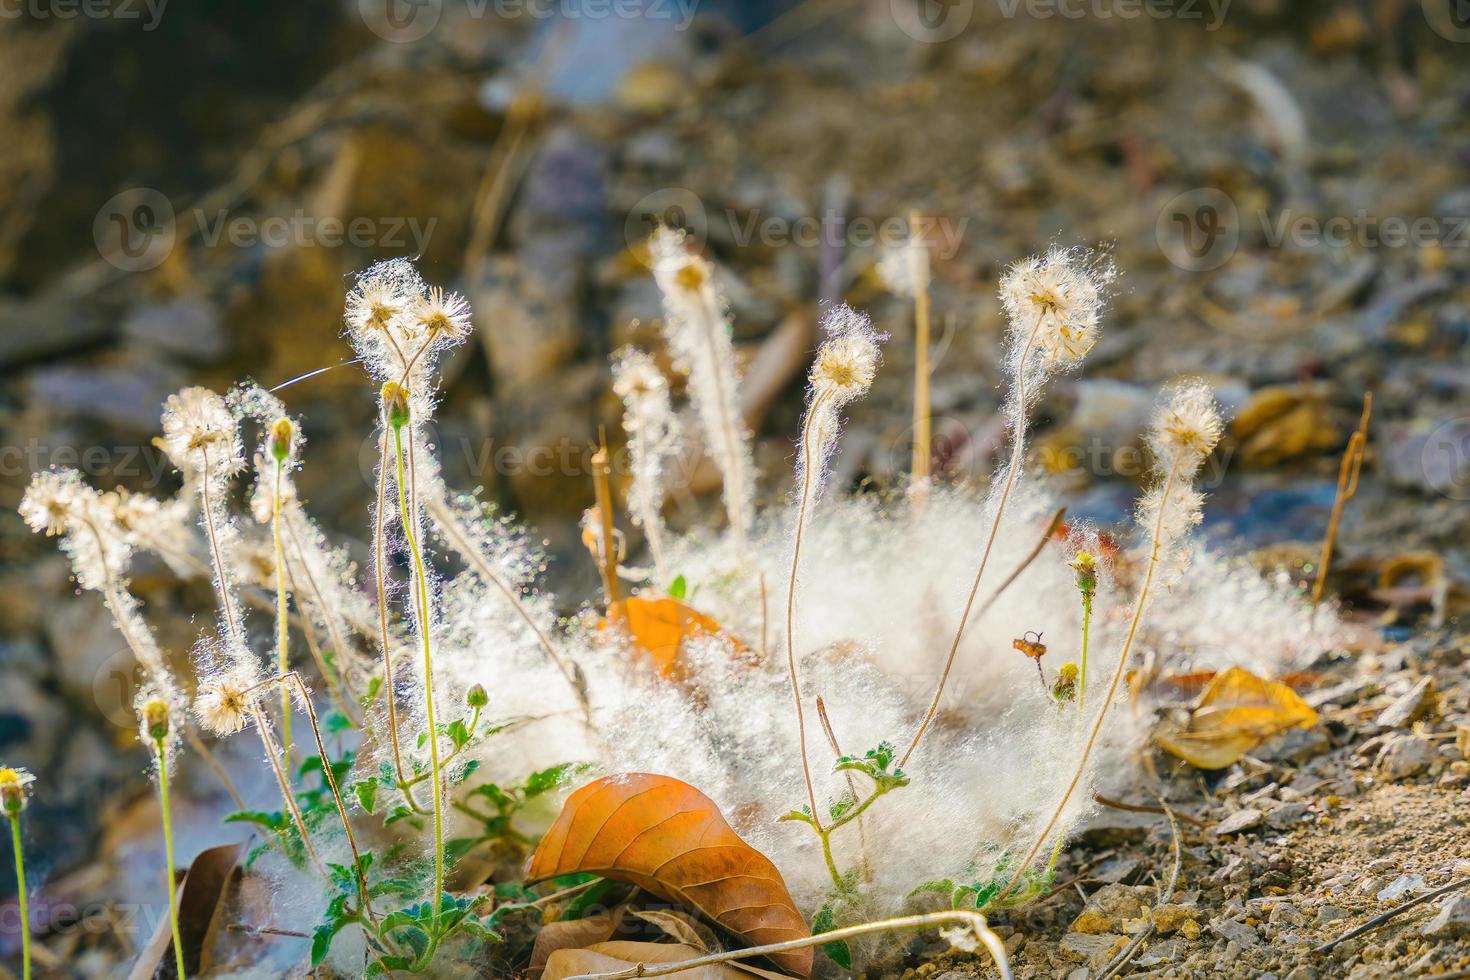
[
  {"x": 1013, "y": 470},
  {"x": 919, "y": 271},
  {"x": 380, "y": 573},
  {"x": 310, "y": 634},
  {"x": 1102, "y": 711},
  {"x": 866, "y": 867},
  {"x": 448, "y": 525},
  {"x": 603, "y": 489},
  {"x": 292, "y": 677},
  {"x": 1347, "y": 487},
  {"x": 227, "y": 604},
  {"x": 273, "y": 756},
  {"x": 974, "y": 920},
  {"x": 809, "y": 465}
]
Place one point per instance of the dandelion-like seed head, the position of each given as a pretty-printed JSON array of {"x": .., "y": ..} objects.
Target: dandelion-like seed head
[
  {"x": 1186, "y": 427},
  {"x": 15, "y": 791},
  {"x": 904, "y": 268},
  {"x": 442, "y": 316},
  {"x": 51, "y": 501},
  {"x": 225, "y": 702},
  {"x": 1058, "y": 300},
  {"x": 636, "y": 378},
  {"x": 375, "y": 305},
  {"x": 200, "y": 434},
  {"x": 848, "y": 360}
]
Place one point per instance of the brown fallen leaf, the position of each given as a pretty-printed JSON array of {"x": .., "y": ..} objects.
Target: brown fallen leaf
[
  {"x": 199, "y": 898},
  {"x": 668, "y": 838},
  {"x": 572, "y": 934},
  {"x": 1283, "y": 422},
  {"x": 619, "y": 955},
  {"x": 659, "y": 628},
  {"x": 1236, "y": 712}
]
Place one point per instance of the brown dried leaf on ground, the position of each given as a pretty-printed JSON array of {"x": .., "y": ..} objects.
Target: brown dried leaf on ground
[
  {"x": 612, "y": 956},
  {"x": 668, "y": 838},
  {"x": 1236, "y": 712}
]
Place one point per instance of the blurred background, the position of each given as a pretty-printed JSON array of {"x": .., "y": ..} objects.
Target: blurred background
[{"x": 187, "y": 189}]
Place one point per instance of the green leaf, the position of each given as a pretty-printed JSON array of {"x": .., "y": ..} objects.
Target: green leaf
[
  {"x": 679, "y": 588},
  {"x": 401, "y": 812},
  {"x": 549, "y": 779},
  {"x": 321, "y": 940},
  {"x": 311, "y": 764},
  {"x": 458, "y": 733},
  {"x": 465, "y": 771},
  {"x": 374, "y": 686},
  {"x": 337, "y": 722},
  {"x": 839, "y": 952},
  {"x": 366, "y": 791},
  {"x": 274, "y": 822},
  {"x": 458, "y": 848},
  {"x": 394, "y": 886}
]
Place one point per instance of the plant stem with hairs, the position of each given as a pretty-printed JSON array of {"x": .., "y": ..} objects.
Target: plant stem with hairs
[
  {"x": 1013, "y": 469},
  {"x": 20, "y": 892},
  {"x": 282, "y": 623},
  {"x": 385, "y": 637},
  {"x": 227, "y": 604},
  {"x": 397, "y": 419},
  {"x": 805, "y": 500},
  {"x": 919, "y": 271},
  {"x": 273, "y": 756},
  {"x": 168, "y": 854},
  {"x": 1102, "y": 712}
]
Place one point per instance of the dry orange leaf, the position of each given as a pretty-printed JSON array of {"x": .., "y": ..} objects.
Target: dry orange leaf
[
  {"x": 618, "y": 955},
  {"x": 1236, "y": 712},
  {"x": 660, "y": 626},
  {"x": 668, "y": 838}
]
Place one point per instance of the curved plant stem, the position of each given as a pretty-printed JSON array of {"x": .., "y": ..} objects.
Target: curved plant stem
[
  {"x": 292, "y": 677},
  {"x": 1013, "y": 469},
  {"x": 421, "y": 575},
  {"x": 168, "y": 856},
  {"x": 282, "y": 631},
  {"x": 20, "y": 891},
  {"x": 454, "y": 533},
  {"x": 1102, "y": 711},
  {"x": 227, "y": 604},
  {"x": 974, "y": 920},
  {"x": 806, "y": 493},
  {"x": 386, "y": 638},
  {"x": 273, "y": 756}
]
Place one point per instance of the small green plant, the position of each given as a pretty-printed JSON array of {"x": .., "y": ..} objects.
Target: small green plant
[{"x": 14, "y": 796}]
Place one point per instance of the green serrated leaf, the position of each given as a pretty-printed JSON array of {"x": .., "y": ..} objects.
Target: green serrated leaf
[
  {"x": 321, "y": 941},
  {"x": 459, "y": 734},
  {"x": 366, "y": 791}
]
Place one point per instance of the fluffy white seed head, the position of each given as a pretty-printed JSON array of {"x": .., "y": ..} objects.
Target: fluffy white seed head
[
  {"x": 200, "y": 435},
  {"x": 1054, "y": 304},
  {"x": 904, "y": 268},
  {"x": 398, "y": 325},
  {"x": 1185, "y": 428},
  {"x": 50, "y": 502},
  {"x": 57, "y": 502},
  {"x": 653, "y": 429},
  {"x": 440, "y": 316},
  {"x": 848, "y": 359},
  {"x": 844, "y": 369},
  {"x": 697, "y": 329},
  {"x": 226, "y": 698}
]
